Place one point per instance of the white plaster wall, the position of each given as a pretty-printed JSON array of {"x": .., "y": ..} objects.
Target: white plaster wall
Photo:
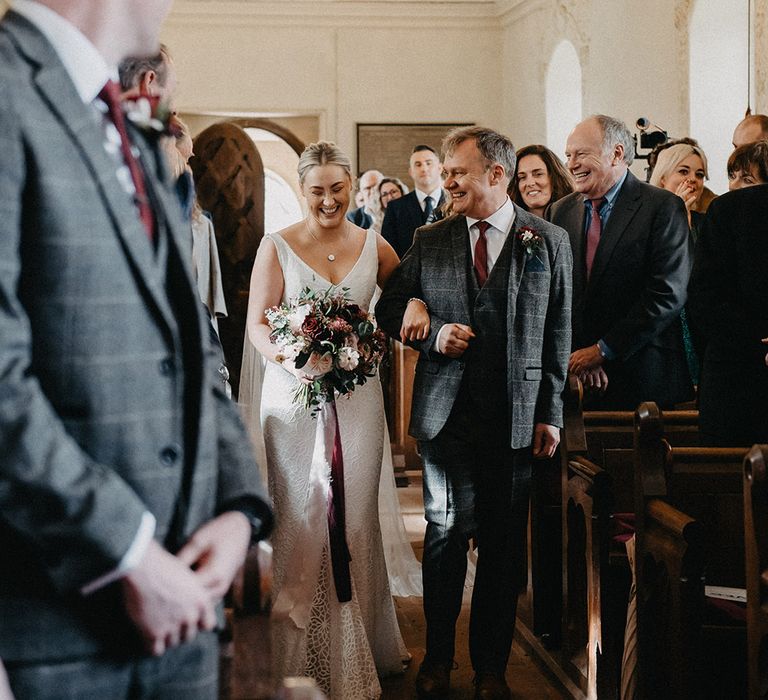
[
  {"x": 630, "y": 59},
  {"x": 261, "y": 59},
  {"x": 339, "y": 63}
]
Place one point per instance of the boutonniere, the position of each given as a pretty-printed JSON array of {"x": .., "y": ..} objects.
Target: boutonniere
[
  {"x": 149, "y": 114},
  {"x": 531, "y": 241}
]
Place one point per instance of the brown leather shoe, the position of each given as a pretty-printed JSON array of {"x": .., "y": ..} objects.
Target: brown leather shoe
[
  {"x": 491, "y": 686},
  {"x": 433, "y": 681}
]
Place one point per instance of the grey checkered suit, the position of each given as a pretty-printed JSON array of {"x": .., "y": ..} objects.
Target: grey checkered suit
[
  {"x": 474, "y": 416},
  {"x": 537, "y": 323},
  {"x": 108, "y": 405}
]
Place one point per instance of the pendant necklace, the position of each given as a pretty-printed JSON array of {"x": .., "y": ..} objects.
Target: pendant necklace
[{"x": 330, "y": 257}]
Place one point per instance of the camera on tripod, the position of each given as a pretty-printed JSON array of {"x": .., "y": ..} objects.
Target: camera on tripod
[{"x": 651, "y": 136}]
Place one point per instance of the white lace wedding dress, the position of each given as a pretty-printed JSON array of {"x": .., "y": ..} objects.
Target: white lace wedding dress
[{"x": 345, "y": 647}]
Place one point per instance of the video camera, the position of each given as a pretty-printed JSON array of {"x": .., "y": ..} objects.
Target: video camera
[{"x": 651, "y": 136}]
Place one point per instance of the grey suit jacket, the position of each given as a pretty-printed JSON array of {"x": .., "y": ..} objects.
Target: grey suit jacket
[
  {"x": 538, "y": 322},
  {"x": 108, "y": 405},
  {"x": 635, "y": 293}
]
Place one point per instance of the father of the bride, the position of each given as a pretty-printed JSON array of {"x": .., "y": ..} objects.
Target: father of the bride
[{"x": 497, "y": 283}]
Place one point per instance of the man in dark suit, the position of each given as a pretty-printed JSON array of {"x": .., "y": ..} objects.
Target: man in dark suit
[
  {"x": 368, "y": 184},
  {"x": 128, "y": 491},
  {"x": 496, "y": 281},
  {"x": 728, "y": 311},
  {"x": 631, "y": 261},
  {"x": 422, "y": 206}
]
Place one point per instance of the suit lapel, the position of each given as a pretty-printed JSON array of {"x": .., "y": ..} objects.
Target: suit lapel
[
  {"x": 572, "y": 220},
  {"x": 517, "y": 260},
  {"x": 414, "y": 210},
  {"x": 627, "y": 204},
  {"x": 79, "y": 120},
  {"x": 459, "y": 238}
]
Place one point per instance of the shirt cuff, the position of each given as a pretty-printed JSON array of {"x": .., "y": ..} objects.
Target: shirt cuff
[
  {"x": 436, "y": 346},
  {"x": 258, "y": 512},
  {"x": 605, "y": 351},
  {"x": 130, "y": 559}
]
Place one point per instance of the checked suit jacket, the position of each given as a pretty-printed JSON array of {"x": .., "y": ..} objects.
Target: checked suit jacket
[
  {"x": 109, "y": 404},
  {"x": 403, "y": 216},
  {"x": 537, "y": 323}
]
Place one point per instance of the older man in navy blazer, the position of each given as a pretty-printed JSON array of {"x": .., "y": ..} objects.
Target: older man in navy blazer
[
  {"x": 128, "y": 491},
  {"x": 631, "y": 262}
]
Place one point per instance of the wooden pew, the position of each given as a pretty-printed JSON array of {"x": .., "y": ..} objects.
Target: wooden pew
[
  {"x": 699, "y": 645},
  {"x": 586, "y": 515},
  {"x": 756, "y": 551},
  {"x": 597, "y": 482}
]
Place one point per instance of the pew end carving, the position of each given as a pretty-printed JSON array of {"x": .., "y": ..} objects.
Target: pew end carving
[{"x": 756, "y": 546}]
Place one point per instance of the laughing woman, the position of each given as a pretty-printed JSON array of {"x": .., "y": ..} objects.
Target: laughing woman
[
  {"x": 539, "y": 180},
  {"x": 344, "y": 639}
]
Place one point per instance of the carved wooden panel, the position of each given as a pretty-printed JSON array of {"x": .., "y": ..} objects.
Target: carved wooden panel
[
  {"x": 404, "y": 452},
  {"x": 229, "y": 177}
]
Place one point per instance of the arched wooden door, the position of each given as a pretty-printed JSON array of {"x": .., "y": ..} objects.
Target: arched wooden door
[{"x": 229, "y": 178}]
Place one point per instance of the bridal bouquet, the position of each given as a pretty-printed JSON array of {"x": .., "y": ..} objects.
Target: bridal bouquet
[{"x": 332, "y": 340}]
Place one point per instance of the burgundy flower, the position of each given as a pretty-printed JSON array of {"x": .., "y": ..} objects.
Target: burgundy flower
[
  {"x": 313, "y": 329},
  {"x": 340, "y": 327}
]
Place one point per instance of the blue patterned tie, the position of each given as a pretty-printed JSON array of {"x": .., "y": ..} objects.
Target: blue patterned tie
[{"x": 429, "y": 210}]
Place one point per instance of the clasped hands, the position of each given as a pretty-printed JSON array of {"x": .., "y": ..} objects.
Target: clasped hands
[
  {"x": 170, "y": 598},
  {"x": 586, "y": 364}
]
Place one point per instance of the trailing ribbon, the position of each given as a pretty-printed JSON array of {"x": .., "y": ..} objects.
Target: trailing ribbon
[
  {"x": 324, "y": 501},
  {"x": 340, "y": 556}
]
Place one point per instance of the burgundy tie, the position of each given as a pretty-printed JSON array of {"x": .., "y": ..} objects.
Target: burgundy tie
[
  {"x": 481, "y": 253},
  {"x": 110, "y": 94},
  {"x": 593, "y": 232}
]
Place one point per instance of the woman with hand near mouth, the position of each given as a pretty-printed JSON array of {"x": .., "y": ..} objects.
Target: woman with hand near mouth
[
  {"x": 539, "y": 179},
  {"x": 682, "y": 169}
]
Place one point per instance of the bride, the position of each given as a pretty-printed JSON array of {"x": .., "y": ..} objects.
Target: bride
[{"x": 344, "y": 646}]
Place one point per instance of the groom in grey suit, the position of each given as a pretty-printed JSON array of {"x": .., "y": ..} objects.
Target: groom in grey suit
[
  {"x": 497, "y": 283},
  {"x": 128, "y": 491}
]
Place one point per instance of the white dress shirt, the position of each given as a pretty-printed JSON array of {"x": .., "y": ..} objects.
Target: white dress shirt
[
  {"x": 435, "y": 194},
  {"x": 501, "y": 223},
  {"x": 89, "y": 72}
]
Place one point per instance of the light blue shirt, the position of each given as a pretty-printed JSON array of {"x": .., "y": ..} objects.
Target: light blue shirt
[{"x": 607, "y": 206}]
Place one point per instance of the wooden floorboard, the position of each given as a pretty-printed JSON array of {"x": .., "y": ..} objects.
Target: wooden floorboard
[{"x": 527, "y": 680}]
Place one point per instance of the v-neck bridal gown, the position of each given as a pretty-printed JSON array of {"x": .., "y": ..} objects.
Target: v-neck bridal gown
[{"x": 345, "y": 647}]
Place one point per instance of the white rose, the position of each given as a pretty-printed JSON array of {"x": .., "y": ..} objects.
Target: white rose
[
  {"x": 348, "y": 358},
  {"x": 296, "y": 318},
  {"x": 318, "y": 365}
]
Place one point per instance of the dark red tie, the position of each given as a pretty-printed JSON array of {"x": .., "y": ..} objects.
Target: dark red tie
[
  {"x": 481, "y": 253},
  {"x": 593, "y": 232},
  {"x": 110, "y": 94}
]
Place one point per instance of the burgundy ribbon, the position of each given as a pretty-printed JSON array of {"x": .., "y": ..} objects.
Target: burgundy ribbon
[{"x": 340, "y": 556}]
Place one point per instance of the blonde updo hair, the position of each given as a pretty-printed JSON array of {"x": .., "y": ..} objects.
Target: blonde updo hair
[
  {"x": 322, "y": 153},
  {"x": 671, "y": 157}
]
